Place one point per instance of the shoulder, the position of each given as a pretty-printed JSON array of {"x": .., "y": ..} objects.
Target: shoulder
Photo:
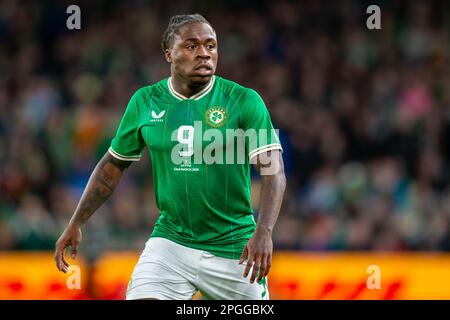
[
  {"x": 145, "y": 93},
  {"x": 235, "y": 90}
]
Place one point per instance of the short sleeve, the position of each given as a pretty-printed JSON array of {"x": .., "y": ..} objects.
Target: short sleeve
[
  {"x": 257, "y": 125},
  {"x": 127, "y": 143}
]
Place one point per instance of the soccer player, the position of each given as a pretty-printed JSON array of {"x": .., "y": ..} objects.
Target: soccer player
[{"x": 205, "y": 238}]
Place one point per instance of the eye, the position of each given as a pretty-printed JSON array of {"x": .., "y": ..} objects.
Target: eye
[
  {"x": 210, "y": 47},
  {"x": 191, "y": 46}
]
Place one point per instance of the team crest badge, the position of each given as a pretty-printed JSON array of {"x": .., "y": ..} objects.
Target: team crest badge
[{"x": 216, "y": 116}]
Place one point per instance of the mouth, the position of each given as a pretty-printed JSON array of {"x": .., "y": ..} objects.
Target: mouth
[
  {"x": 203, "y": 66},
  {"x": 203, "y": 70}
]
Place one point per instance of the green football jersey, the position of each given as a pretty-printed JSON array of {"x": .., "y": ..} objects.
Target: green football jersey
[{"x": 200, "y": 148}]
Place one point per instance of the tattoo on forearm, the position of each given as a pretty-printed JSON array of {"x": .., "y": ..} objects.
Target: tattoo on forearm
[
  {"x": 272, "y": 191},
  {"x": 101, "y": 185}
]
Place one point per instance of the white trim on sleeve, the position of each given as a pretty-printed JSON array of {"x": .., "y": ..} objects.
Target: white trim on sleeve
[
  {"x": 122, "y": 157},
  {"x": 269, "y": 147}
]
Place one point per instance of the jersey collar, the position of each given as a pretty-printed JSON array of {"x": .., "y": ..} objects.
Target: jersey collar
[{"x": 196, "y": 96}]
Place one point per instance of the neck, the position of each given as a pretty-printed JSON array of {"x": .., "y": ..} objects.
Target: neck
[{"x": 185, "y": 89}]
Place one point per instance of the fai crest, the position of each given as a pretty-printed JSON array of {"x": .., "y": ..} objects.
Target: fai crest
[{"x": 216, "y": 116}]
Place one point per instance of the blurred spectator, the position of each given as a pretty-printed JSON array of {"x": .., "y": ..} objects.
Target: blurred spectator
[{"x": 363, "y": 116}]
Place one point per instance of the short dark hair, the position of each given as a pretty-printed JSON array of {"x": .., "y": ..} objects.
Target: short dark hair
[{"x": 176, "y": 22}]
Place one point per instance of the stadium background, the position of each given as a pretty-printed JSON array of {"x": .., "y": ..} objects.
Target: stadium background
[{"x": 363, "y": 118}]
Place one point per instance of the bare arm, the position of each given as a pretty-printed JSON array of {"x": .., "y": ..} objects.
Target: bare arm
[
  {"x": 259, "y": 248},
  {"x": 101, "y": 184},
  {"x": 273, "y": 184}
]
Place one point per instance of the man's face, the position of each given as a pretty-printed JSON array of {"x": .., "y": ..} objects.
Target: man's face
[{"x": 193, "y": 55}]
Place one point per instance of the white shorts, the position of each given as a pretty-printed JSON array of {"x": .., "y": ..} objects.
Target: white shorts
[{"x": 167, "y": 270}]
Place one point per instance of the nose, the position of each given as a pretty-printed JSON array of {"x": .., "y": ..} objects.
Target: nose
[{"x": 203, "y": 53}]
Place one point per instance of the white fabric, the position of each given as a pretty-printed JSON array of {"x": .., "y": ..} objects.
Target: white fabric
[{"x": 167, "y": 270}]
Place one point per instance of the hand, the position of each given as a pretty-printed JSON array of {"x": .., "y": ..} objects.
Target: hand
[
  {"x": 70, "y": 237},
  {"x": 259, "y": 253}
]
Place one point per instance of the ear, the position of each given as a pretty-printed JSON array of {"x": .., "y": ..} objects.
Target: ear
[{"x": 168, "y": 55}]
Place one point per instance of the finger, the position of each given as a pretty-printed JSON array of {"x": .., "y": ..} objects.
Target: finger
[
  {"x": 61, "y": 263},
  {"x": 248, "y": 266},
  {"x": 64, "y": 268},
  {"x": 243, "y": 255},
  {"x": 57, "y": 263},
  {"x": 262, "y": 269},
  {"x": 74, "y": 250},
  {"x": 64, "y": 261},
  {"x": 269, "y": 264},
  {"x": 255, "y": 270},
  {"x": 59, "y": 257},
  {"x": 56, "y": 257}
]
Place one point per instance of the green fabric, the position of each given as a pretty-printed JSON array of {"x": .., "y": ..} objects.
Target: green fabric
[{"x": 202, "y": 205}]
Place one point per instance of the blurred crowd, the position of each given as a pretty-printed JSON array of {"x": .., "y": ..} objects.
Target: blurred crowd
[{"x": 363, "y": 116}]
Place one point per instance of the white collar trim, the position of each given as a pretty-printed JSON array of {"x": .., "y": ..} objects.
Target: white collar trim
[{"x": 196, "y": 96}]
